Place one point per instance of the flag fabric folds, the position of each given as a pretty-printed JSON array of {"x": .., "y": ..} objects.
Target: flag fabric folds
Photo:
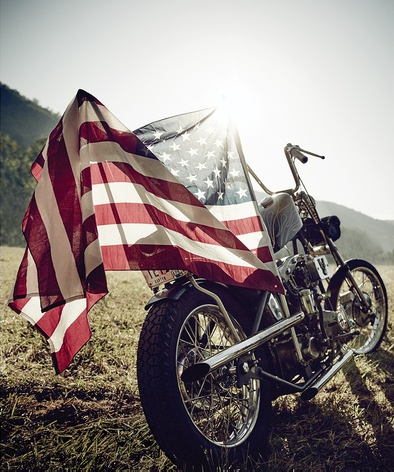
[
  {"x": 203, "y": 151},
  {"x": 111, "y": 199}
]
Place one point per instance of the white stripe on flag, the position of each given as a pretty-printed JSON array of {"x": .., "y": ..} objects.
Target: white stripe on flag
[
  {"x": 253, "y": 240},
  {"x": 113, "y": 235},
  {"x": 61, "y": 253},
  {"x": 108, "y": 151},
  {"x": 32, "y": 310},
  {"x": 126, "y": 192},
  {"x": 92, "y": 256},
  {"x": 71, "y": 311},
  {"x": 90, "y": 111},
  {"x": 31, "y": 276},
  {"x": 233, "y": 212}
]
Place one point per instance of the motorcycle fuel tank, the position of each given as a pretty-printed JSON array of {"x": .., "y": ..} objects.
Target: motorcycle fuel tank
[{"x": 281, "y": 218}]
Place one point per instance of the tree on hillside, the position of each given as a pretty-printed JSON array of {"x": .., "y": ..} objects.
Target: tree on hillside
[
  {"x": 16, "y": 188},
  {"x": 22, "y": 119},
  {"x": 356, "y": 244}
]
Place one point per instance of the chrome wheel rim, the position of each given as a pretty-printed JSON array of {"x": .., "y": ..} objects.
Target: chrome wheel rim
[
  {"x": 223, "y": 413},
  {"x": 370, "y": 325}
]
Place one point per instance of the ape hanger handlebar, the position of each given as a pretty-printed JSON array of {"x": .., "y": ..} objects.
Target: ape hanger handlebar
[{"x": 292, "y": 152}]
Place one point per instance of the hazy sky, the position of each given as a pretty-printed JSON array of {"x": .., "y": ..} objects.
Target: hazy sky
[{"x": 318, "y": 73}]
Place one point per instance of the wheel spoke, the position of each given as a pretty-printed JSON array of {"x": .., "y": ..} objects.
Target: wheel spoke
[
  {"x": 219, "y": 409},
  {"x": 371, "y": 325}
]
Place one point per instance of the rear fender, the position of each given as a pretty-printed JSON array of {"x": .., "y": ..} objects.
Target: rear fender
[{"x": 176, "y": 291}]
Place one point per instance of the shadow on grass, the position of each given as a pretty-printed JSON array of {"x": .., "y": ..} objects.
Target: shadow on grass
[
  {"x": 55, "y": 428},
  {"x": 349, "y": 427},
  {"x": 373, "y": 399}
]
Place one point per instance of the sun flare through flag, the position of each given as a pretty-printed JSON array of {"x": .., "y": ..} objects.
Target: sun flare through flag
[
  {"x": 104, "y": 201},
  {"x": 203, "y": 151}
]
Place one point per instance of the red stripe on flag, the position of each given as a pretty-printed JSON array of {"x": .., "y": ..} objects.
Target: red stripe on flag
[
  {"x": 20, "y": 287},
  {"x": 36, "y": 234},
  {"x": 50, "y": 320},
  {"x": 138, "y": 213},
  {"x": 117, "y": 172},
  {"x": 251, "y": 224},
  {"x": 68, "y": 200},
  {"x": 144, "y": 257},
  {"x": 75, "y": 337},
  {"x": 263, "y": 253},
  {"x": 100, "y": 131}
]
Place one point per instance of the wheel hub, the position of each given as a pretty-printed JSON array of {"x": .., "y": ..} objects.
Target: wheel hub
[{"x": 361, "y": 318}]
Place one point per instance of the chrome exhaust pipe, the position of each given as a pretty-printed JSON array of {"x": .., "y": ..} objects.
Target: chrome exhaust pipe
[
  {"x": 201, "y": 369},
  {"x": 312, "y": 391}
]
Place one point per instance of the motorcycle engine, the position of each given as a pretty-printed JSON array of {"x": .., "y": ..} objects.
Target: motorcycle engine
[
  {"x": 303, "y": 271},
  {"x": 301, "y": 275}
]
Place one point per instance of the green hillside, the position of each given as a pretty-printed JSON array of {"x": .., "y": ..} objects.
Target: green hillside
[
  {"x": 382, "y": 232},
  {"x": 23, "y": 119}
]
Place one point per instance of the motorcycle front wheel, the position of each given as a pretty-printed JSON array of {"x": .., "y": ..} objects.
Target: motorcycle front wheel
[
  {"x": 211, "y": 423},
  {"x": 373, "y": 324}
]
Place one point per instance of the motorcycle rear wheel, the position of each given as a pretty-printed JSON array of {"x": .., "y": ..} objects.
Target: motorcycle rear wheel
[
  {"x": 372, "y": 327},
  {"x": 211, "y": 423}
]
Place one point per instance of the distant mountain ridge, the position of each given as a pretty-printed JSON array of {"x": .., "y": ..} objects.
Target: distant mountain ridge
[
  {"x": 381, "y": 231},
  {"x": 24, "y": 120},
  {"x": 378, "y": 232}
]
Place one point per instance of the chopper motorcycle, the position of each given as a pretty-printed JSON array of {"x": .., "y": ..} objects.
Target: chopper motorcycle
[{"x": 212, "y": 358}]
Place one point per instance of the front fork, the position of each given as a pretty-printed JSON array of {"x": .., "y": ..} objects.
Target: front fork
[{"x": 365, "y": 306}]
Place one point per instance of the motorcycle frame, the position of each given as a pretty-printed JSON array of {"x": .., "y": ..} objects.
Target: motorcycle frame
[
  {"x": 247, "y": 171},
  {"x": 312, "y": 385},
  {"x": 292, "y": 152},
  {"x": 242, "y": 349}
]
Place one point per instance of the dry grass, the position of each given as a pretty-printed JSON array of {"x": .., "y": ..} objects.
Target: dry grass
[{"x": 91, "y": 418}]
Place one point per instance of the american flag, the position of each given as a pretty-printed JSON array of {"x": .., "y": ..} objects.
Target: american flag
[
  {"x": 203, "y": 151},
  {"x": 104, "y": 201}
]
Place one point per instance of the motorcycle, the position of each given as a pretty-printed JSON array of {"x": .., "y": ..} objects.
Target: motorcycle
[{"x": 212, "y": 358}]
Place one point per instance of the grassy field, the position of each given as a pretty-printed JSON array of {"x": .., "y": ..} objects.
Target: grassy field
[{"x": 90, "y": 418}]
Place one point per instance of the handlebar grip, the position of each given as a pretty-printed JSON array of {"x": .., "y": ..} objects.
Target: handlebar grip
[{"x": 298, "y": 154}]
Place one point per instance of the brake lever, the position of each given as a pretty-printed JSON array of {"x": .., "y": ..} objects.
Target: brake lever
[{"x": 310, "y": 153}]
